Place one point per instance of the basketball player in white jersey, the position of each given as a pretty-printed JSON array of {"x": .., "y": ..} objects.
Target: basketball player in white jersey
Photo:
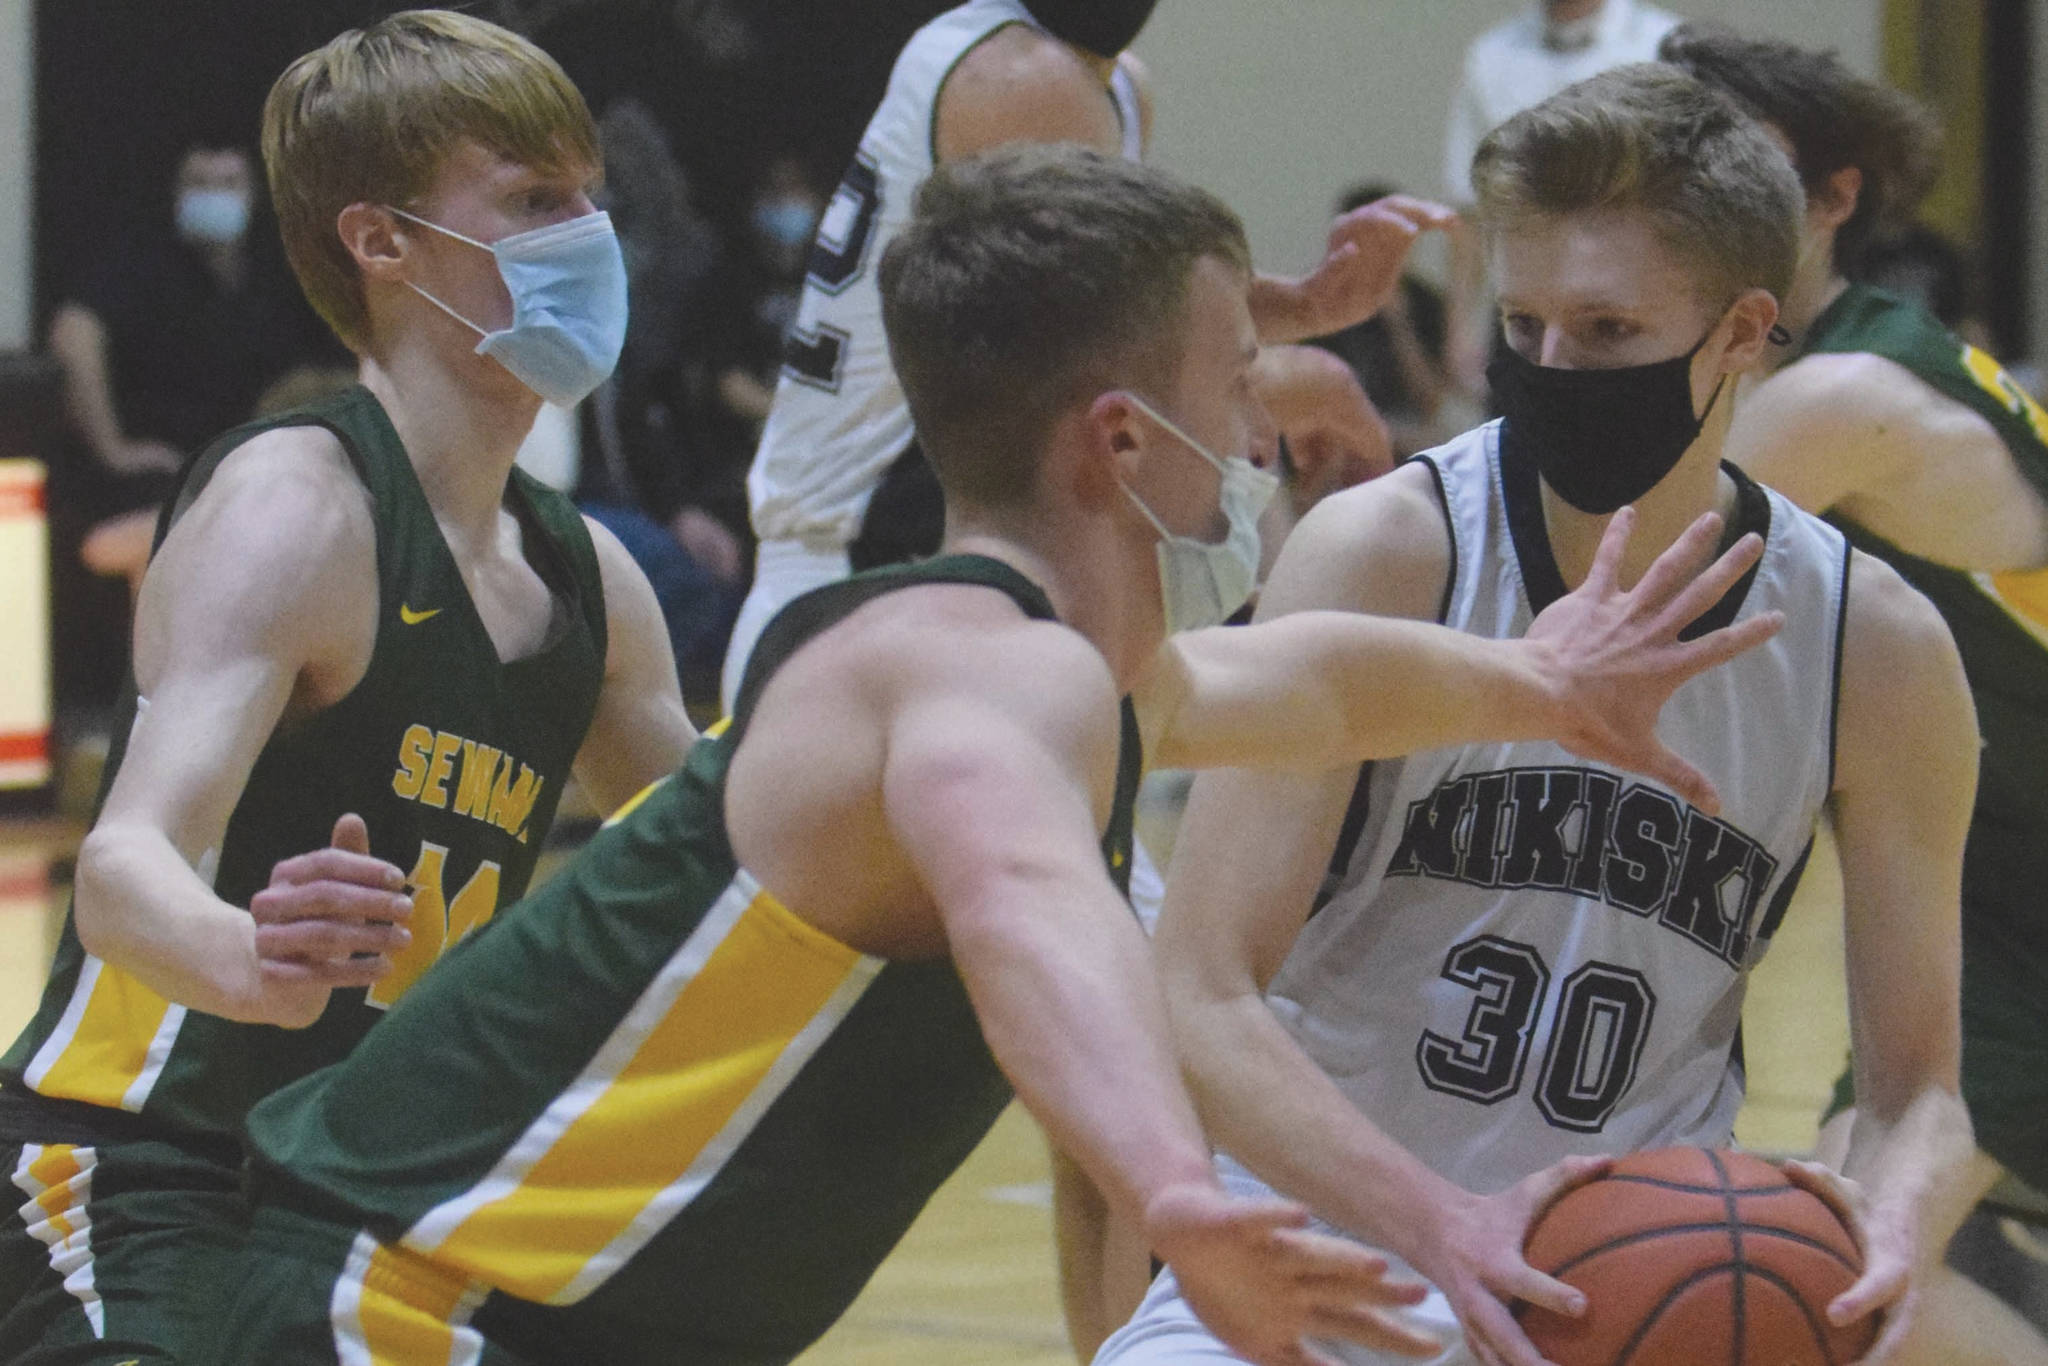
[
  {"x": 838, "y": 483},
  {"x": 1427, "y": 998}
]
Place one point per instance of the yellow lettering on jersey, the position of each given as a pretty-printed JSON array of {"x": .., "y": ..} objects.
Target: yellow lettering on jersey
[
  {"x": 1993, "y": 380},
  {"x": 473, "y": 787},
  {"x": 512, "y": 802},
  {"x": 437, "y": 923},
  {"x": 412, "y": 762},
  {"x": 435, "y": 792}
]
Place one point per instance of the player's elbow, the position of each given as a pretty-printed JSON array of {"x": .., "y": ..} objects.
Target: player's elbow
[{"x": 96, "y": 890}]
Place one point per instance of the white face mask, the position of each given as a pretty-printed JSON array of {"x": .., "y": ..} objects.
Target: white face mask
[
  {"x": 568, "y": 288},
  {"x": 1202, "y": 584}
]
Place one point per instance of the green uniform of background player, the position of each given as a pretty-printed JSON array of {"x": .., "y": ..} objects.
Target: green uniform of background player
[
  {"x": 1930, "y": 457},
  {"x": 679, "y": 1104},
  {"x": 360, "y": 622}
]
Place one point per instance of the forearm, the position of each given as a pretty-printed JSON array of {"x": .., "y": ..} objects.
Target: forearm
[
  {"x": 1325, "y": 688},
  {"x": 79, "y": 343},
  {"x": 1062, "y": 984},
  {"x": 1270, "y": 1107},
  {"x": 141, "y": 907},
  {"x": 1103, "y": 1264}
]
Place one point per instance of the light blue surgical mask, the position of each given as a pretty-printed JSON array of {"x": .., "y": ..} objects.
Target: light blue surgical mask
[
  {"x": 212, "y": 217},
  {"x": 1201, "y": 584},
  {"x": 568, "y": 288}
]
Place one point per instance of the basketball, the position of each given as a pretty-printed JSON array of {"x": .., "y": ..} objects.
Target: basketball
[{"x": 1696, "y": 1258}]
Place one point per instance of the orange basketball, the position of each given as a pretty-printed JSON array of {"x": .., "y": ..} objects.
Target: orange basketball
[{"x": 1696, "y": 1258}]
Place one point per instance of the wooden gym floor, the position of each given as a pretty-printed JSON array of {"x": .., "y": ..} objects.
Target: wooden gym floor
[{"x": 973, "y": 1283}]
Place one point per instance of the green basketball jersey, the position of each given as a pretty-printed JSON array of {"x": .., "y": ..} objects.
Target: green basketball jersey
[
  {"x": 649, "y": 1114},
  {"x": 2000, "y": 621},
  {"x": 453, "y": 759}
]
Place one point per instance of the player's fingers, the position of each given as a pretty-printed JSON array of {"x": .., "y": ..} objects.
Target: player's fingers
[
  {"x": 338, "y": 901},
  {"x": 351, "y": 833},
  {"x": 1521, "y": 1281},
  {"x": 1711, "y": 584},
  {"x": 1371, "y": 1326},
  {"x": 1718, "y": 647},
  {"x": 1680, "y": 564},
  {"x": 1607, "y": 558},
  {"x": 1424, "y": 213},
  {"x": 1819, "y": 1179},
  {"x": 338, "y": 865},
  {"x": 1880, "y": 1284},
  {"x": 1489, "y": 1322},
  {"x": 327, "y": 941},
  {"x": 1544, "y": 1187},
  {"x": 1681, "y": 777},
  {"x": 1320, "y": 1256}
]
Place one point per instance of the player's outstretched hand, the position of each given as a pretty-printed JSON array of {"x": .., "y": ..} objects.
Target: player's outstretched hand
[
  {"x": 331, "y": 918},
  {"x": 1362, "y": 266},
  {"x": 1614, "y": 656},
  {"x": 1266, "y": 1285},
  {"x": 1886, "y": 1285},
  {"x": 1475, "y": 1259}
]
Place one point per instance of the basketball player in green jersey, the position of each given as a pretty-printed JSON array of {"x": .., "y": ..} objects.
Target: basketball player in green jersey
[
  {"x": 360, "y": 620},
  {"x": 1932, "y": 458},
  {"x": 678, "y": 1105}
]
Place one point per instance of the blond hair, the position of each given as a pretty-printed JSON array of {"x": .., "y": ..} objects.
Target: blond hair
[
  {"x": 371, "y": 116},
  {"x": 1717, "y": 190}
]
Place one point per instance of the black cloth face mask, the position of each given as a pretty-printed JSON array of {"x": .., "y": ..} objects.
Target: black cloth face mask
[
  {"x": 1600, "y": 438},
  {"x": 1103, "y": 27}
]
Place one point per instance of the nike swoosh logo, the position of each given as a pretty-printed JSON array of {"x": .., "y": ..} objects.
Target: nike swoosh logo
[{"x": 412, "y": 618}]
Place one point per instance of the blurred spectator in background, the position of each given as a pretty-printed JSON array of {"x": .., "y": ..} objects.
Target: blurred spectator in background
[
  {"x": 1508, "y": 68},
  {"x": 166, "y": 340},
  {"x": 764, "y": 287},
  {"x": 1398, "y": 353},
  {"x": 647, "y": 467}
]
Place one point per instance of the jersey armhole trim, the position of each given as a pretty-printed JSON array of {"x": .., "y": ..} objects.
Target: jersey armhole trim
[
  {"x": 1443, "y": 502},
  {"x": 1841, "y": 635},
  {"x": 939, "y": 90}
]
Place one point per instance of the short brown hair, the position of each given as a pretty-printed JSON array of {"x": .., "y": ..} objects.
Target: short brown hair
[
  {"x": 1832, "y": 117},
  {"x": 1721, "y": 194},
  {"x": 372, "y": 115},
  {"x": 1027, "y": 278}
]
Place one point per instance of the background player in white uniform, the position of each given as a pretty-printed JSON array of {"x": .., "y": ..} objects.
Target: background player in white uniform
[
  {"x": 982, "y": 74},
  {"x": 1517, "y": 957}
]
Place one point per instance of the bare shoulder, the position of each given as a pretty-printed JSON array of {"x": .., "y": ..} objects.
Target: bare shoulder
[
  {"x": 280, "y": 546},
  {"x": 1020, "y": 85},
  {"x": 1852, "y": 392},
  {"x": 1902, "y": 680},
  {"x": 1382, "y": 547}
]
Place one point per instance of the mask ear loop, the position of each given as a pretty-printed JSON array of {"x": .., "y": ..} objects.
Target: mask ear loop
[{"x": 450, "y": 232}]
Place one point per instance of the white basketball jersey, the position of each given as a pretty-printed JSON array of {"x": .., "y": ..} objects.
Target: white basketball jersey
[
  {"x": 1521, "y": 954},
  {"x": 840, "y": 418}
]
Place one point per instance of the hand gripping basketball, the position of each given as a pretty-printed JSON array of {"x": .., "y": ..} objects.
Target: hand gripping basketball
[{"x": 1695, "y": 1258}]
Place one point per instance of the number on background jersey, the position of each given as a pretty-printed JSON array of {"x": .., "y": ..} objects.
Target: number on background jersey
[
  {"x": 437, "y": 923},
  {"x": 839, "y": 253},
  {"x": 1596, "y": 1040}
]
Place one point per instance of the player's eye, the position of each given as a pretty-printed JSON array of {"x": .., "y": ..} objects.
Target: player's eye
[{"x": 1611, "y": 330}]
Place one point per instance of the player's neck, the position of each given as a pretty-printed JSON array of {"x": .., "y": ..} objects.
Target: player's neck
[
  {"x": 1694, "y": 486},
  {"x": 1815, "y": 286},
  {"x": 1098, "y": 582},
  {"x": 461, "y": 436}
]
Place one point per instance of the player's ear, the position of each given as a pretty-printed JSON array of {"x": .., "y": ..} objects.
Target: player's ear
[
  {"x": 375, "y": 237},
  {"x": 1834, "y": 201},
  {"x": 1748, "y": 322},
  {"x": 1113, "y": 435}
]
